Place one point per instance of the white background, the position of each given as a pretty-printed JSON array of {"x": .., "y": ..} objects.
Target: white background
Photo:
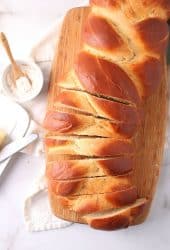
[{"x": 24, "y": 21}]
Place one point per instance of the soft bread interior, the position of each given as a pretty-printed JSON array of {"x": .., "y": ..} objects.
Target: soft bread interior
[
  {"x": 116, "y": 218},
  {"x": 113, "y": 212}
]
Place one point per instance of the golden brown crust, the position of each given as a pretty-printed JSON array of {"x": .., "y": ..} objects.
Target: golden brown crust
[
  {"x": 96, "y": 185},
  {"x": 106, "y": 78},
  {"x": 137, "y": 9},
  {"x": 70, "y": 123},
  {"x": 78, "y": 146},
  {"x": 98, "y": 106},
  {"x": 149, "y": 72},
  {"x": 113, "y": 220},
  {"x": 154, "y": 34},
  {"x": 85, "y": 204},
  {"x": 72, "y": 169},
  {"x": 109, "y": 40}
]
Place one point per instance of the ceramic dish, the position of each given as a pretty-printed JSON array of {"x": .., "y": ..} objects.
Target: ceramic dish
[
  {"x": 35, "y": 75},
  {"x": 14, "y": 121}
]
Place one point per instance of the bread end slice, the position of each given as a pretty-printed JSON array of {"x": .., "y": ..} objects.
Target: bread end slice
[{"x": 117, "y": 218}]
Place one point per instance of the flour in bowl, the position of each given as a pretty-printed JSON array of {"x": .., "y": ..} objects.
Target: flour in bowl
[
  {"x": 24, "y": 89},
  {"x": 23, "y": 85}
]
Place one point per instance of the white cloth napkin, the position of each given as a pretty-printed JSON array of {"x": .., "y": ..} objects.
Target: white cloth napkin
[{"x": 37, "y": 213}]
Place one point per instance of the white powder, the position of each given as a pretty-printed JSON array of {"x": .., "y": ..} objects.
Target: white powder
[
  {"x": 23, "y": 85},
  {"x": 22, "y": 90}
]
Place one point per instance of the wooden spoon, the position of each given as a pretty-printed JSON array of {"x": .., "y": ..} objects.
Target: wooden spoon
[{"x": 17, "y": 72}]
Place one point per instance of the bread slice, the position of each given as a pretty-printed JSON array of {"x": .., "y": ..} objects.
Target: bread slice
[
  {"x": 95, "y": 185},
  {"x": 99, "y": 76},
  {"x": 69, "y": 122},
  {"x": 97, "y": 106},
  {"x": 87, "y": 146},
  {"x": 85, "y": 204},
  {"x": 83, "y": 168},
  {"x": 116, "y": 218}
]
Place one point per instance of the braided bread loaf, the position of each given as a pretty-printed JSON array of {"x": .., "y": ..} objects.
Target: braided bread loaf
[{"x": 98, "y": 110}]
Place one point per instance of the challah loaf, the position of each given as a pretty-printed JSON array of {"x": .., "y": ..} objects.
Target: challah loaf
[{"x": 97, "y": 111}]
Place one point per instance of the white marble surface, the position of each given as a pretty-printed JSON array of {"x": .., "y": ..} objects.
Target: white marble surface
[{"x": 24, "y": 21}]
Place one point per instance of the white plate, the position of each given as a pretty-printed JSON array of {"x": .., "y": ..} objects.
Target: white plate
[{"x": 14, "y": 120}]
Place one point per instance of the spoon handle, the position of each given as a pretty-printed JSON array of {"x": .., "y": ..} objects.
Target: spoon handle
[{"x": 5, "y": 44}]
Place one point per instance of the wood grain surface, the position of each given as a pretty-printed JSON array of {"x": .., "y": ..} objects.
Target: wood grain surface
[{"x": 150, "y": 139}]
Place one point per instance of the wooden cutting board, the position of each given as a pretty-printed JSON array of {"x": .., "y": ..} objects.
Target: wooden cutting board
[{"x": 150, "y": 139}]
